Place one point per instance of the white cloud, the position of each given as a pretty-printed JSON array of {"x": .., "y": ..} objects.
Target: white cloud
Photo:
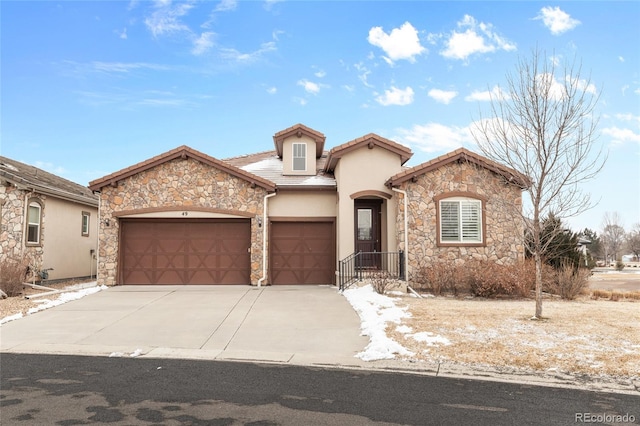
[
  {"x": 396, "y": 96},
  {"x": 547, "y": 83},
  {"x": 226, "y": 5},
  {"x": 203, "y": 43},
  {"x": 628, "y": 117},
  {"x": 442, "y": 96},
  {"x": 272, "y": 90},
  {"x": 474, "y": 37},
  {"x": 320, "y": 73},
  {"x": 300, "y": 101},
  {"x": 364, "y": 74},
  {"x": 122, "y": 34},
  {"x": 583, "y": 85},
  {"x": 556, "y": 20},
  {"x": 237, "y": 56},
  {"x": 495, "y": 94},
  {"x": 434, "y": 137},
  {"x": 620, "y": 136},
  {"x": 621, "y": 58},
  {"x": 166, "y": 18},
  {"x": 400, "y": 43},
  {"x": 309, "y": 86}
]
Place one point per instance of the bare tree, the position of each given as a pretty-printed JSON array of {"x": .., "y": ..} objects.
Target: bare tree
[
  {"x": 613, "y": 235},
  {"x": 543, "y": 126},
  {"x": 633, "y": 241}
]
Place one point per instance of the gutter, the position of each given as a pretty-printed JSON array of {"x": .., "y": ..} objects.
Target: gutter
[
  {"x": 264, "y": 237},
  {"x": 406, "y": 232}
]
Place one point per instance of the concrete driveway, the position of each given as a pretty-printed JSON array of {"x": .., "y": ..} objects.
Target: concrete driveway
[{"x": 303, "y": 325}]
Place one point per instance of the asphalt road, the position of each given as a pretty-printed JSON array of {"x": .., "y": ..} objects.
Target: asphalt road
[{"x": 70, "y": 390}]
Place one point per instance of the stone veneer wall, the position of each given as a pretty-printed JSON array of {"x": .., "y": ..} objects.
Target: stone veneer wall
[
  {"x": 13, "y": 226},
  {"x": 175, "y": 184},
  {"x": 504, "y": 230}
]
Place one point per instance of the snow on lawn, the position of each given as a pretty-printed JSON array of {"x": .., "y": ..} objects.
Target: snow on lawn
[
  {"x": 84, "y": 289},
  {"x": 375, "y": 311}
]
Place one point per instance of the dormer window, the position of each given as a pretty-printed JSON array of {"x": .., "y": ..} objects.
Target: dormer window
[{"x": 299, "y": 157}]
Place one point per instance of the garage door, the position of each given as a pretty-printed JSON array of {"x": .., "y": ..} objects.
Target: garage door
[
  {"x": 213, "y": 251},
  {"x": 302, "y": 253}
]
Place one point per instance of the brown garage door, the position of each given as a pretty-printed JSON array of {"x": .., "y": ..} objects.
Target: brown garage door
[
  {"x": 302, "y": 253},
  {"x": 212, "y": 251}
]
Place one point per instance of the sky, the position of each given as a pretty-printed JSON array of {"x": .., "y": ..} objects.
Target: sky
[{"x": 90, "y": 87}]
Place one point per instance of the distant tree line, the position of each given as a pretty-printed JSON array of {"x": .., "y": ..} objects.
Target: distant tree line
[{"x": 565, "y": 247}]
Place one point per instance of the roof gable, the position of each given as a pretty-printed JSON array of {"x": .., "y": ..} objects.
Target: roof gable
[
  {"x": 183, "y": 152},
  {"x": 32, "y": 178},
  {"x": 299, "y": 130},
  {"x": 459, "y": 155},
  {"x": 370, "y": 140}
]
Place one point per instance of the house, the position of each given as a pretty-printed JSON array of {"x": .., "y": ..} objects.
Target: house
[
  {"x": 287, "y": 216},
  {"x": 47, "y": 221}
]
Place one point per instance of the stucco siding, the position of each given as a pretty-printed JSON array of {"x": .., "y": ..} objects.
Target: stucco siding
[
  {"x": 303, "y": 204},
  {"x": 360, "y": 171},
  {"x": 66, "y": 250}
]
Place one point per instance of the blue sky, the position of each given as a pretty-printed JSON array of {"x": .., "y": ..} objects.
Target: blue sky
[{"x": 91, "y": 87}]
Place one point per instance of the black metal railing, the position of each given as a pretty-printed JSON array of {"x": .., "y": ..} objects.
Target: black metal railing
[{"x": 363, "y": 265}]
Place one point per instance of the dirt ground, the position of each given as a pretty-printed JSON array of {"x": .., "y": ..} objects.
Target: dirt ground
[{"x": 579, "y": 337}]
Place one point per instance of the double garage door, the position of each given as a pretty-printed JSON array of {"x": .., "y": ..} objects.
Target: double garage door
[
  {"x": 198, "y": 251},
  {"x": 217, "y": 251}
]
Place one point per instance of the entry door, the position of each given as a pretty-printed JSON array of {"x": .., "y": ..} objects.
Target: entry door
[{"x": 367, "y": 230}]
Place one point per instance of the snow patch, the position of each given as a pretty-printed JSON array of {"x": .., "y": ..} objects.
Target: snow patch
[
  {"x": 11, "y": 318},
  {"x": 375, "y": 311}
]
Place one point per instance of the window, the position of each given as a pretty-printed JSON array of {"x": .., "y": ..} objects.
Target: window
[
  {"x": 460, "y": 220},
  {"x": 299, "y": 157},
  {"x": 85, "y": 223},
  {"x": 34, "y": 216}
]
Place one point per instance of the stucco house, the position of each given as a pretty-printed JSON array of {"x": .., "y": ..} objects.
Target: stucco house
[
  {"x": 47, "y": 221},
  {"x": 287, "y": 216}
]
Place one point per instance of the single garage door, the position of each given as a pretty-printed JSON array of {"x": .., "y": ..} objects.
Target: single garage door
[
  {"x": 197, "y": 251},
  {"x": 302, "y": 253}
]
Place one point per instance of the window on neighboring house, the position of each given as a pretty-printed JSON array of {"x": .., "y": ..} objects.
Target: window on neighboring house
[
  {"x": 34, "y": 218},
  {"x": 299, "y": 157},
  {"x": 460, "y": 220},
  {"x": 85, "y": 223}
]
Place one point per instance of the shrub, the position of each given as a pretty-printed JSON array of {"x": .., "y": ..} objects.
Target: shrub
[
  {"x": 489, "y": 279},
  {"x": 442, "y": 277},
  {"x": 12, "y": 276},
  {"x": 600, "y": 294},
  {"x": 480, "y": 278},
  {"x": 381, "y": 281},
  {"x": 616, "y": 295},
  {"x": 619, "y": 265},
  {"x": 570, "y": 281}
]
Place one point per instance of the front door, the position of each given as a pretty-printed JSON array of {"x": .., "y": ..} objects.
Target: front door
[{"x": 368, "y": 231}]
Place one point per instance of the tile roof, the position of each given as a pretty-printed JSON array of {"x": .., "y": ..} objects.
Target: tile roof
[
  {"x": 180, "y": 152},
  {"x": 461, "y": 154},
  {"x": 269, "y": 166},
  {"x": 33, "y": 178},
  {"x": 369, "y": 140}
]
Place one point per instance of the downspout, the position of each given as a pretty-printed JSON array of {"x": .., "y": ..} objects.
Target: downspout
[
  {"x": 98, "y": 226},
  {"x": 265, "y": 204},
  {"x": 406, "y": 233}
]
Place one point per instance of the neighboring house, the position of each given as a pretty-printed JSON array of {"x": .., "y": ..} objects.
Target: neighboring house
[
  {"x": 47, "y": 221},
  {"x": 287, "y": 216}
]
